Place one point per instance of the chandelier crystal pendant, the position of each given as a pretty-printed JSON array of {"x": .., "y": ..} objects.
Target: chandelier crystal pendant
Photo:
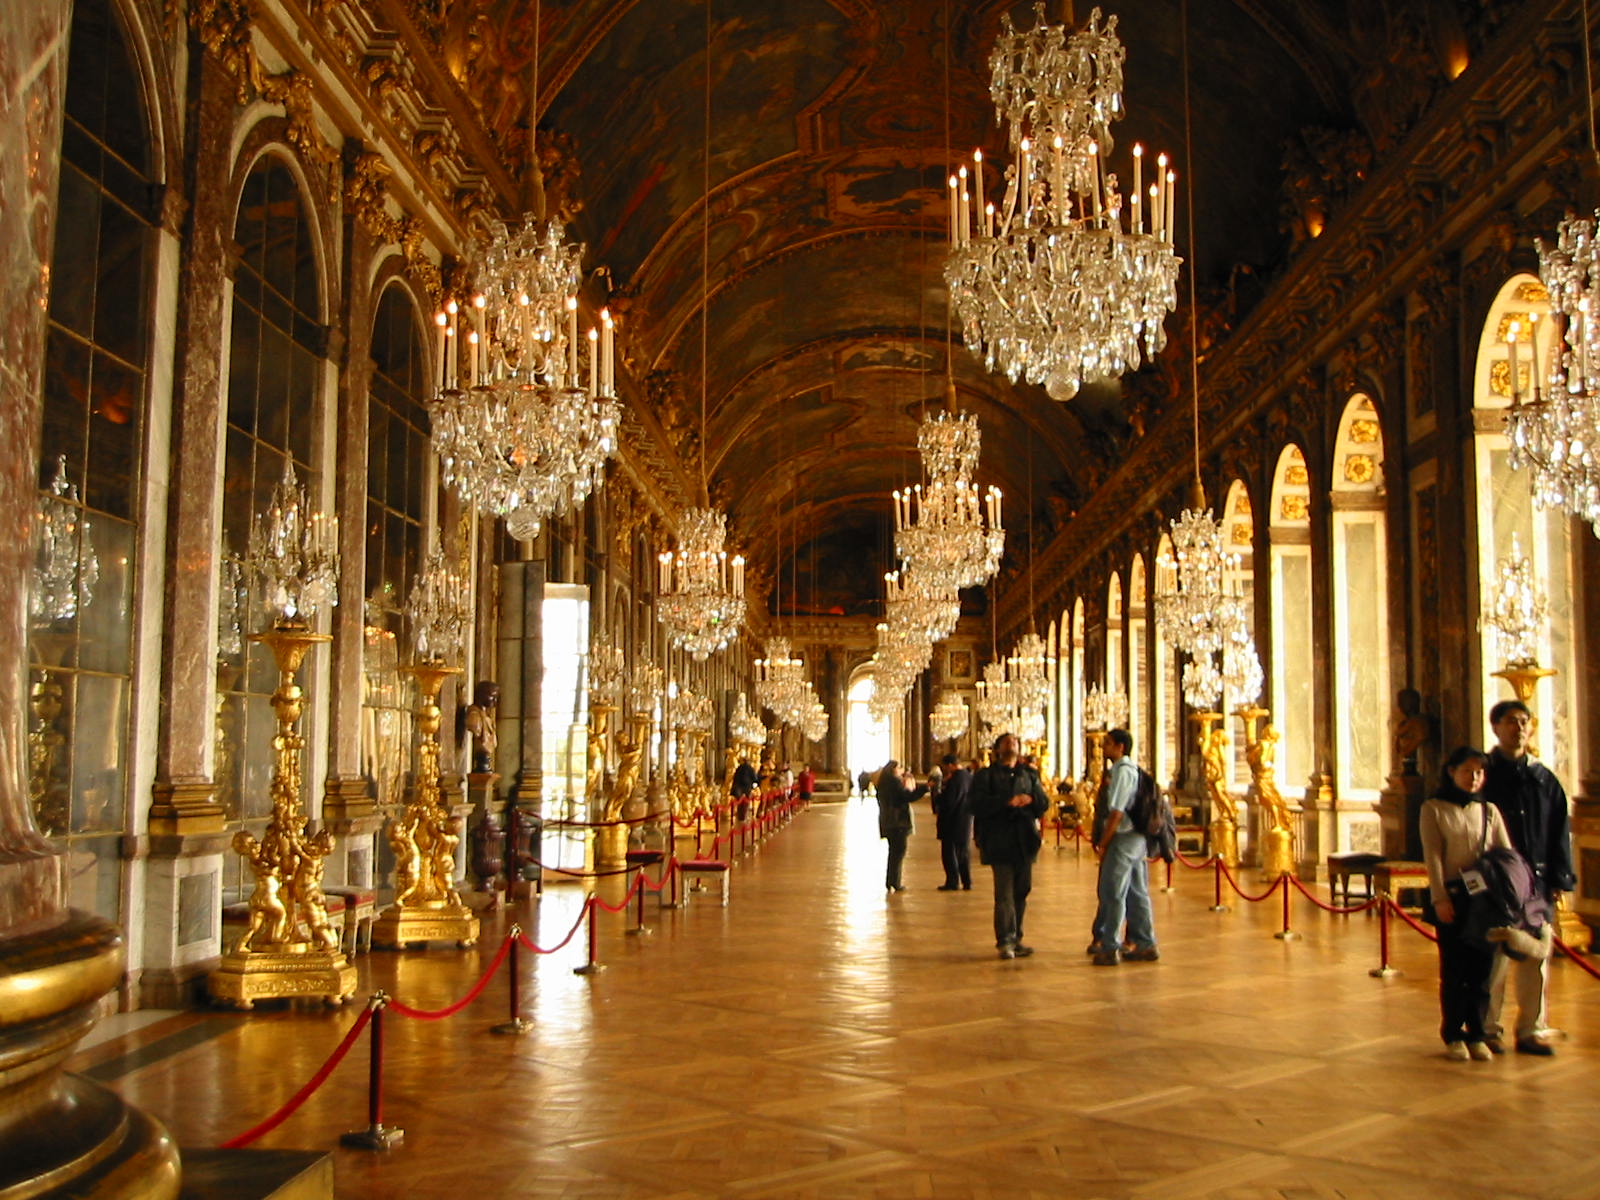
[
  {"x": 1555, "y": 434},
  {"x": 781, "y": 686},
  {"x": 1061, "y": 283},
  {"x": 65, "y": 568},
  {"x": 437, "y": 610},
  {"x": 293, "y": 560},
  {"x": 1028, "y": 673},
  {"x": 701, "y": 590},
  {"x": 1518, "y": 611},
  {"x": 996, "y": 707},
  {"x": 918, "y": 606},
  {"x": 525, "y": 414},
  {"x": 951, "y": 717}
]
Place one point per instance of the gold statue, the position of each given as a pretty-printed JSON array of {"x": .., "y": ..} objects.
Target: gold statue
[
  {"x": 427, "y": 907},
  {"x": 289, "y": 947},
  {"x": 630, "y": 762},
  {"x": 1224, "y": 830},
  {"x": 1277, "y": 851}
]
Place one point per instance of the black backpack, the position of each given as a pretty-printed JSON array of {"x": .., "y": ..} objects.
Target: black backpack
[{"x": 1151, "y": 811}]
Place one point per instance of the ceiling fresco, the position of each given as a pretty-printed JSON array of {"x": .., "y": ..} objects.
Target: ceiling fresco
[{"x": 825, "y": 322}]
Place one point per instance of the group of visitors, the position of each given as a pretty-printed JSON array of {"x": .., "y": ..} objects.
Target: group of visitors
[{"x": 1496, "y": 841}]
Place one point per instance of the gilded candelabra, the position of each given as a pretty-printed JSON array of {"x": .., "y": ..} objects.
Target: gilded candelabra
[
  {"x": 289, "y": 948},
  {"x": 1086, "y": 792},
  {"x": 611, "y": 840},
  {"x": 1261, "y": 751},
  {"x": 1224, "y": 831},
  {"x": 427, "y": 907}
]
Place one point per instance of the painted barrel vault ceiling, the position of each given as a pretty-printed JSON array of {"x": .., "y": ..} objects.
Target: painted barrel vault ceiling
[{"x": 825, "y": 327}]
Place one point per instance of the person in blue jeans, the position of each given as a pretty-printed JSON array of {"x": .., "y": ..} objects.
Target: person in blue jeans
[{"x": 1124, "y": 874}]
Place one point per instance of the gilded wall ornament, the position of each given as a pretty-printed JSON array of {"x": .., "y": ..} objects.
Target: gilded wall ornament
[
  {"x": 1295, "y": 508},
  {"x": 1359, "y": 468}
]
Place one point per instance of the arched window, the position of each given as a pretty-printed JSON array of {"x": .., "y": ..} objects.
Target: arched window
[
  {"x": 1165, "y": 693},
  {"x": 1362, "y": 699},
  {"x": 1079, "y": 759},
  {"x": 869, "y": 742},
  {"x": 1506, "y": 513},
  {"x": 1067, "y": 732},
  {"x": 1138, "y": 670},
  {"x": 1051, "y": 709},
  {"x": 398, "y": 458},
  {"x": 1292, "y": 698},
  {"x": 1115, "y": 677},
  {"x": 274, "y": 371},
  {"x": 94, "y": 415},
  {"x": 1239, "y": 530}
]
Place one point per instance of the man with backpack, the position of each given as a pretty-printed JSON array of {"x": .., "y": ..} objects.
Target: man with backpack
[{"x": 1124, "y": 878}]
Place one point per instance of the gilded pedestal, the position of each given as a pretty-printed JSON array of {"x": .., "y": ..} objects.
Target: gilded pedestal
[
  {"x": 427, "y": 907},
  {"x": 290, "y": 948}
]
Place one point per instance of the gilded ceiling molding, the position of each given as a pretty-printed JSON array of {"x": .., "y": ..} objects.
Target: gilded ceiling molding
[{"x": 366, "y": 193}]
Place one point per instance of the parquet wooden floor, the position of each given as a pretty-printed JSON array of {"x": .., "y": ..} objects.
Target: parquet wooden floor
[{"x": 819, "y": 1038}]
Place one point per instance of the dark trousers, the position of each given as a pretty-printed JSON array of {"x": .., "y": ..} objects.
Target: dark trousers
[
  {"x": 897, "y": 856},
  {"x": 957, "y": 857},
  {"x": 1012, "y": 883},
  {"x": 1464, "y": 966}
]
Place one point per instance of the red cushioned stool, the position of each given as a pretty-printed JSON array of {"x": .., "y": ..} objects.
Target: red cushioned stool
[{"x": 696, "y": 867}]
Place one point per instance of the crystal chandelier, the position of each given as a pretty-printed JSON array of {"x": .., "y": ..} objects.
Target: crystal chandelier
[
  {"x": 950, "y": 718},
  {"x": 519, "y": 427},
  {"x": 233, "y": 605},
  {"x": 1518, "y": 611},
  {"x": 607, "y": 675},
  {"x": 814, "y": 725},
  {"x": 701, "y": 592},
  {"x": 1057, "y": 284},
  {"x": 996, "y": 708},
  {"x": 745, "y": 728},
  {"x": 920, "y": 607},
  {"x": 1200, "y": 611},
  {"x": 1028, "y": 673},
  {"x": 437, "y": 610},
  {"x": 1105, "y": 710},
  {"x": 644, "y": 687},
  {"x": 1555, "y": 434},
  {"x": 701, "y": 599},
  {"x": 294, "y": 554},
  {"x": 781, "y": 685},
  {"x": 65, "y": 567}
]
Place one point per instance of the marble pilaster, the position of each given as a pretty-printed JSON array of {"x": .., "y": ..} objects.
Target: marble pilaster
[{"x": 184, "y": 793}]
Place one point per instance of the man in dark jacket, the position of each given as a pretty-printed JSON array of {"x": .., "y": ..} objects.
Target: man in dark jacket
[
  {"x": 894, "y": 819},
  {"x": 1007, "y": 802},
  {"x": 1534, "y": 806},
  {"x": 745, "y": 781},
  {"x": 952, "y": 809}
]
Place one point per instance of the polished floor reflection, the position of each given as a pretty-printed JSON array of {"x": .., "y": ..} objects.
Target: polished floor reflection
[{"x": 818, "y": 1038}]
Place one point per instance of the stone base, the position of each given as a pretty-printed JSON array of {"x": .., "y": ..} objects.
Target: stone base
[
  {"x": 182, "y": 986},
  {"x": 285, "y": 973},
  {"x": 211, "y": 1174},
  {"x": 400, "y": 927}
]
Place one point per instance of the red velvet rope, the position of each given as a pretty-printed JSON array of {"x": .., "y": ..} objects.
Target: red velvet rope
[
  {"x": 1195, "y": 864},
  {"x": 667, "y": 873},
  {"x": 626, "y": 896},
  {"x": 1332, "y": 908},
  {"x": 582, "y": 874},
  {"x": 311, "y": 1085},
  {"x": 439, "y": 1014},
  {"x": 1409, "y": 920},
  {"x": 1576, "y": 957},
  {"x": 647, "y": 819},
  {"x": 571, "y": 933},
  {"x": 1228, "y": 875}
]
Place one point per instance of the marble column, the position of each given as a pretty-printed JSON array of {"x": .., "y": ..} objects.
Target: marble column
[
  {"x": 187, "y": 836},
  {"x": 55, "y": 963},
  {"x": 521, "y": 657}
]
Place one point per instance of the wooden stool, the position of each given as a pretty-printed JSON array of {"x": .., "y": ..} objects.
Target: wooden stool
[
  {"x": 696, "y": 867},
  {"x": 1393, "y": 876},
  {"x": 360, "y": 910},
  {"x": 1342, "y": 866},
  {"x": 638, "y": 860}
]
